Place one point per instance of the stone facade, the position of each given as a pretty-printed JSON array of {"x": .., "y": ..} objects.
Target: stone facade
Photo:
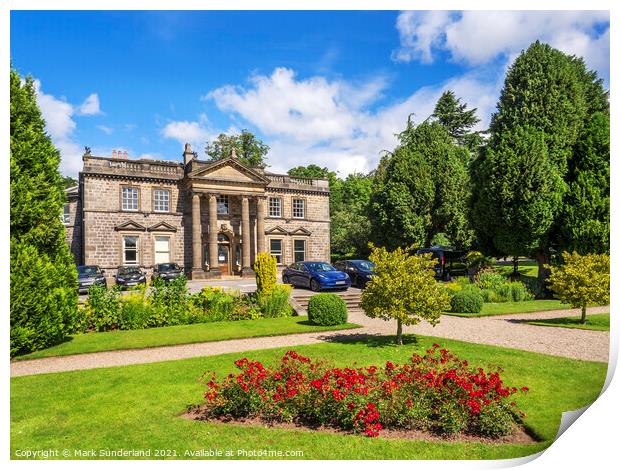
[{"x": 140, "y": 212}]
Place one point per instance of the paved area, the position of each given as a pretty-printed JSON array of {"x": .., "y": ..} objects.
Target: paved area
[{"x": 507, "y": 331}]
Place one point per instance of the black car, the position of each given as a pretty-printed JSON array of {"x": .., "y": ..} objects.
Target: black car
[
  {"x": 316, "y": 275},
  {"x": 89, "y": 276},
  {"x": 359, "y": 270},
  {"x": 450, "y": 262},
  {"x": 128, "y": 276},
  {"x": 167, "y": 271}
]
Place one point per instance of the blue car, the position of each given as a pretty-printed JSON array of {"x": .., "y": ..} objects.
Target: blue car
[{"x": 315, "y": 275}]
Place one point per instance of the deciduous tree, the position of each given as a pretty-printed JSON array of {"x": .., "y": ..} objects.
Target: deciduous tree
[
  {"x": 581, "y": 281},
  {"x": 250, "y": 150},
  {"x": 404, "y": 289}
]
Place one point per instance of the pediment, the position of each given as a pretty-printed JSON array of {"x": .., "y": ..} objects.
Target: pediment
[
  {"x": 277, "y": 230},
  {"x": 300, "y": 231},
  {"x": 162, "y": 227},
  {"x": 130, "y": 225},
  {"x": 229, "y": 169}
]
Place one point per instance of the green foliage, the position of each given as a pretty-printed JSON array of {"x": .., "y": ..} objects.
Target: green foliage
[
  {"x": 404, "y": 289},
  {"x": 466, "y": 301},
  {"x": 542, "y": 180},
  {"x": 581, "y": 281},
  {"x": 250, "y": 150},
  {"x": 327, "y": 309},
  {"x": 476, "y": 262},
  {"x": 422, "y": 189},
  {"x": 43, "y": 277},
  {"x": 453, "y": 114},
  {"x": 69, "y": 181},
  {"x": 103, "y": 308},
  {"x": 266, "y": 271},
  {"x": 584, "y": 225},
  {"x": 276, "y": 304},
  {"x": 170, "y": 302},
  {"x": 135, "y": 311}
]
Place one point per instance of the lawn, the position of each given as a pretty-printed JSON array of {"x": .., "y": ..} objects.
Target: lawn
[
  {"x": 526, "y": 268},
  {"x": 507, "y": 308},
  {"x": 597, "y": 322},
  {"x": 138, "y": 407},
  {"x": 181, "y": 334}
]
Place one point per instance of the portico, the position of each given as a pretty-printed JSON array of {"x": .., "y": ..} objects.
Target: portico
[{"x": 228, "y": 217}]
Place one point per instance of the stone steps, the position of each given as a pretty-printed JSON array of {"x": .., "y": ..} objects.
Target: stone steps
[{"x": 352, "y": 299}]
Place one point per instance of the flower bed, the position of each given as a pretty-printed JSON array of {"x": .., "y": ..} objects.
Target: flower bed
[{"x": 437, "y": 392}]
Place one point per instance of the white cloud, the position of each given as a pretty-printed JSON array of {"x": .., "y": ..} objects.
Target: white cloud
[
  {"x": 59, "y": 123},
  {"x": 186, "y": 131},
  {"x": 332, "y": 123},
  {"x": 105, "y": 129},
  {"x": 90, "y": 106},
  {"x": 477, "y": 37}
]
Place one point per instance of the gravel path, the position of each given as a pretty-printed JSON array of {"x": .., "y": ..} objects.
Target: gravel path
[{"x": 507, "y": 331}]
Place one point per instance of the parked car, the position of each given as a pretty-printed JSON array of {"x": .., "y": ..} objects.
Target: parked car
[
  {"x": 88, "y": 276},
  {"x": 128, "y": 276},
  {"x": 316, "y": 275},
  {"x": 359, "y": 270},
  {"x": 167, "y": 271},
  {"x": 450, "y": 262}
]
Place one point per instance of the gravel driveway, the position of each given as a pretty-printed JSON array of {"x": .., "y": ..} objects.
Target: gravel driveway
[{"x": 508, "y": 331}]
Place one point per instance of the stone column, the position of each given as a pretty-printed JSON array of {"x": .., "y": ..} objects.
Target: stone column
[
  {"x": 214, "y": 265},
  {"x": 246, "y": 269},
  {"x": 197, "y": 270},
  {"x": 260, "y": 224}
]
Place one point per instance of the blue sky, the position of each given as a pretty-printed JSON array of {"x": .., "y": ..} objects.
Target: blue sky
[{"x": 330, "y": 88}]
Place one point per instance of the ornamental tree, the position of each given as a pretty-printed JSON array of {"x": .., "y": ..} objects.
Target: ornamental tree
[
  {"x": 404, "y": 289},
  {"x": 265, "y": 268},
  {"x": 581, "y": 281},
  {"x": 43, "y": 274}
]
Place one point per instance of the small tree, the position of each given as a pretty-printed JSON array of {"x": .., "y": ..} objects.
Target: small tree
[
  {"x": 266, "y": 271},
  {"x": 404, "y": 289},
  {"x": 581, "y": 281}
]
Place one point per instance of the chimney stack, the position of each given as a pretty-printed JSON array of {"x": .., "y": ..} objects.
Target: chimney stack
[
  {"x": 188, "y": 154},
  {"x": 125, "y": 154},
  {"x": 113, "y": 153}
]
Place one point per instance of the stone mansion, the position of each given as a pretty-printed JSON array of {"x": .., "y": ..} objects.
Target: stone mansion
[{"x": 209, "y": 217}]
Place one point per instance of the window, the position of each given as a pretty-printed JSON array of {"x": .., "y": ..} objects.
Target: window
[
  {"x": 161, "y": 200},
  {"x": 162, "y": 249},
  {"x": 275, "y": 207},
  {"x": 222, "y": 204},
  {"x": 130, "y": 250},
  {"x": 275, "y": 249},
  {"x": 299, "y": 208},
  {"x": 65, "y": 214},
  {"x": 299, "y": 250},
  {"x": 130, "y": 199}
]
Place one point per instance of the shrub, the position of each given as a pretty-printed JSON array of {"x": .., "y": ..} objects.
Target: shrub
[
  {"x": 437, "y": 392},
  {"x": 327, "y": 309},
  {"x": 477, "y": 262},
  {"x": 466, "y": 302},
  {"x": 490, "y": 280},
  {"x": 43, "y": 300},
  {"x": 103, "y": 307},
  {"x": 518, "y": 292},
  {"x": 170, "y": 302},
  {"x": 135, "y": 311},
  {"x": 265, "y": 268},
  {"x": 277, "y": 303},
  {"x": 214, "y": 304}
]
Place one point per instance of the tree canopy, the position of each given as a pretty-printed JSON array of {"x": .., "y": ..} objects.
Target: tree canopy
[
  {"x": 250, "y": 150},
  {"x": 422, "y": 189},
  {"x": 528, "y": 182},
  {"x": 43, "y": 276},
  {"x": 459, "y": 121}
]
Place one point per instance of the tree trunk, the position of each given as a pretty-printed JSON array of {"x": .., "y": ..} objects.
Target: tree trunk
[
  {"x": 583, "y": 315},
  {"x": 543, "y": 258},
  {"x": 515, "y": 266},
  {"x": 399, "y": 333}
]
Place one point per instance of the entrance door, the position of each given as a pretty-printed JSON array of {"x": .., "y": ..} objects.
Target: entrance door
[
  {"x": 222, "y": 258},
  {"x": 223, "y": 253}
]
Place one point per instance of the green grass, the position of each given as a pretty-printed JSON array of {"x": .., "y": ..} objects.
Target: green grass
[
  {"x": 507, "y": 308},
  {"x": 182, "y": 334},
  {"x": 526, "y": 268},
  {"x": 138, "y": 407},
  {"x": 597, "y": 322}
]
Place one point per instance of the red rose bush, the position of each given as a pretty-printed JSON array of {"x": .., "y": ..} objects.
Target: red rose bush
[{"x": 437, "y": 392}]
